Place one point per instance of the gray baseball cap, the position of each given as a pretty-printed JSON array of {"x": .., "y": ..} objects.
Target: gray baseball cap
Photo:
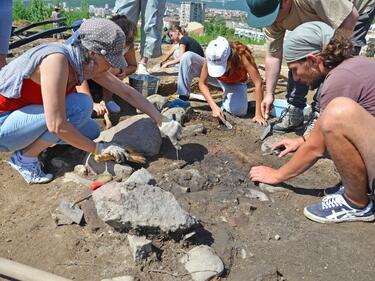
[
  {"x": 105, "y": 38},
  {"x": 307, "y": 38}
]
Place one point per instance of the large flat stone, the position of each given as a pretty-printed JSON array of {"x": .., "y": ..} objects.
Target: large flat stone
[
  {"x": 139, "y": 132},
  {"x": 144, "y": 208}
]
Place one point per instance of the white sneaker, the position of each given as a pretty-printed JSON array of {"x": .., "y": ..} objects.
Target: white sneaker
[
  {"x": 113, "y": 107},
  {"x": 31, "y": 172},
  {"x": 142, "y": 69}
]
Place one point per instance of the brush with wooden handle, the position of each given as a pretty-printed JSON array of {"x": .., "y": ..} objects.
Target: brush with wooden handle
[{"x": 132, "y": 156}]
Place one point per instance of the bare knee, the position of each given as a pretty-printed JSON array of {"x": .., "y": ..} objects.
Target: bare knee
[{"x": 337, "y": 114}]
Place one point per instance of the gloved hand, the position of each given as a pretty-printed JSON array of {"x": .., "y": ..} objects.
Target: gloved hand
[
  {"x": 116, "y": 152},
  {"x": 172, "y": 129}
]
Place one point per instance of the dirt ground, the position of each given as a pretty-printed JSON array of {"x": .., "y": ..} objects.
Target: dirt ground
[{"x": 254, "y": 238}]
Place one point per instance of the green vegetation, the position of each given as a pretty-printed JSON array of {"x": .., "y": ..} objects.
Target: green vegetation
[
  {"x": 39, "y": 11},
  {"x": 215, "y": 28}
]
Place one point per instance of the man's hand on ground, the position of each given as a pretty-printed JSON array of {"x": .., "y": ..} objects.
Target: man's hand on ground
[
  {"x": 265, "y": 174},
  {"x": 289, "y": 145},
  {"x": 260, "y": 120}
]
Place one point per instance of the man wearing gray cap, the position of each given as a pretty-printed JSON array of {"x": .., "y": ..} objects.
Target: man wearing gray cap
[
  {"x": 278, "y": 16},
  {"x": 40, "y": 106},
  {"x": 345, "y": 127}
]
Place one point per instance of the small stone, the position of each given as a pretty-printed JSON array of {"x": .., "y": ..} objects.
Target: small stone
[
  {"x": 193, "y": 130},
  {"x": 122, "y": 171},
  {"x": 202, "y": 263},
  {"x": 243, "y": 254},
  {"x": 271, "y": 188},
  {"x": 140, "y": 247},
  {"x": 142, "y": 176},
  {"x": 81, "y": 170},
  {"x": 277, "y": 237}
]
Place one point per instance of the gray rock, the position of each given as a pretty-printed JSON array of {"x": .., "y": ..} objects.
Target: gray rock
[
  {"x": 271, "y": 188},
  {"x": 140, "y": 247},
  {"x": 271, "y": 142},
  {"x": 122, "y": 171},
  {"x": 181, "y": 115},
  {"x": 256, "y": 194},
  {"x": 158, "y": 101},
  {"x": 193, "y": 130},
  {"x": 142, "y": 176},
  {"x": 139, "y": 132},
  {"x": 121, "y": 278},
  {"x": 189, "y": 178},
  {"x": 202, "y": 263},
  {"x": 81, "y": 170},
  {"x": 143, "y": 208}
]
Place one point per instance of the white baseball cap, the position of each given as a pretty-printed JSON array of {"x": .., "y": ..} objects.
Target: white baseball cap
[{"x": 217, "y": 54}]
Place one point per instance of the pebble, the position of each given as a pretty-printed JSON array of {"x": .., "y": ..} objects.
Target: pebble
[{"x": 277, "y": 237}]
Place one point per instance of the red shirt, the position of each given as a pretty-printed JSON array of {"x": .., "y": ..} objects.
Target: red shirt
[
  {"x": 31, "y": 93},
  {"x": 236, "y": 77}
]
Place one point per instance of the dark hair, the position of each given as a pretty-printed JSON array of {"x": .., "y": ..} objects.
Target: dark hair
[
  {"x": 178, "y": 28},
  {"x": 234, "y": 60},
  {"x": 338, "y": 49},
  {"x": 127, "y": 26}
]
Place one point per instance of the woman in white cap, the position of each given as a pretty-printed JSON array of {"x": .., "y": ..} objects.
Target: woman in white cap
[
  {"x": 38, "y": 105},
  {"x": 230, "y": 65}
]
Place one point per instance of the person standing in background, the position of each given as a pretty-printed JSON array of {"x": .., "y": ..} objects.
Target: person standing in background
[
  {"x": 152, "y": 13},
  {"x": 55, "y": 16},
  {"x": 5, "y": 29}
]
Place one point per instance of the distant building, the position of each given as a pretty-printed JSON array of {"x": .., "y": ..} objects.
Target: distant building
[
  {"x": 249, "y": 33},
  {"x": 192, "y": 11}
]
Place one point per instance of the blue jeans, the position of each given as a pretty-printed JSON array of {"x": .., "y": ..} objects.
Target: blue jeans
[
  {"x": 297, "y": 92},
  {"x": 151, "y": 12},
  {"x": 235, "y": 95},
  {"x": 5, "y": 25},
  {"x": 22, "y": 127}
]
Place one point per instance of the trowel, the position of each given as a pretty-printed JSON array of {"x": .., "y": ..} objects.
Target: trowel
[
  {"x": 267, "y": 132},
  {"x": 71, "y": 210},
  {"x": 226, "y": 123}
]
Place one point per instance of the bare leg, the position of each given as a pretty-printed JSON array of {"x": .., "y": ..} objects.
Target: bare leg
[
  {"x": 349, "y": 133},
  {"x": 34, "y": 149}
]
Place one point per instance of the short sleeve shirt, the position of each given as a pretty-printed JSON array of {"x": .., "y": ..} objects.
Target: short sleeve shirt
[
  {"x": 332, "y": 12},
  {"x": 354, "y": 79},
  {"x": 192, "y": 45}
]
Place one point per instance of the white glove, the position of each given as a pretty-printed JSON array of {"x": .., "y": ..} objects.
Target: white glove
[
  {"x": 118, "y": 153},
  {"x": 173, "y": 130}
]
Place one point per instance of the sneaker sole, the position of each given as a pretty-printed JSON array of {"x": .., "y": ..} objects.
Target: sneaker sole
[
  {"x": 15, "y": 168},
  {"x": 315, "y": 218}
]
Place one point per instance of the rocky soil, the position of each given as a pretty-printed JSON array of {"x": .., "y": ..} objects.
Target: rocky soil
[{"x": 233, "y": 229}]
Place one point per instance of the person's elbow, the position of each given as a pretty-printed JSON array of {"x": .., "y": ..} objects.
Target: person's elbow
[
  {"x": 315, "y": 150},
  {"x": 202, "y": 84}
]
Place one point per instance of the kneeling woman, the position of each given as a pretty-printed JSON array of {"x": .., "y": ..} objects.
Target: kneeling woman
[
  {"x": 228, "y": 64},
  {"x": 38, "y": 107}
]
